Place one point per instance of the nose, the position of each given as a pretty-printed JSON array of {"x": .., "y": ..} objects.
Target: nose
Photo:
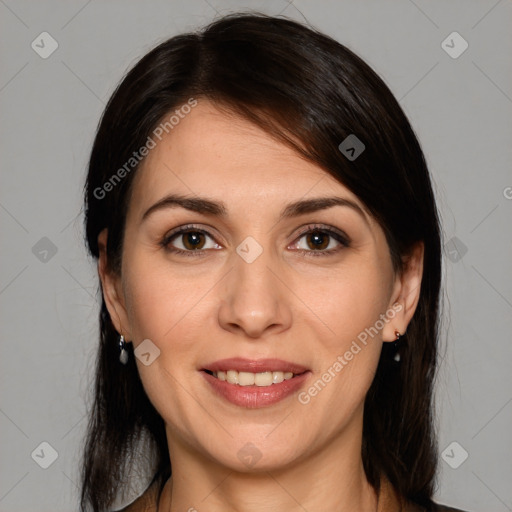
[{"x": 254, "y": 300}]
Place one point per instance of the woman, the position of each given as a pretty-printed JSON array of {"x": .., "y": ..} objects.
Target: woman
[{"x": 268, "y": 246}]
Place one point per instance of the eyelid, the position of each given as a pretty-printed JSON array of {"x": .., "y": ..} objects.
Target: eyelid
[
  {"x": 341, "y": 237},
  {"x": 338, "y": 235},
  {"x": 324, "y": 228},
  {"x": 184, "y": 229}
]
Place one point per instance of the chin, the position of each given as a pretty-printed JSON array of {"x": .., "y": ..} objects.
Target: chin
[{"x": 258, "y": 452}]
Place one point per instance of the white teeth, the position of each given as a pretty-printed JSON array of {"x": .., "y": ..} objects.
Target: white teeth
[
  {"x": 250, "y": 379},
  {"x": 277, "y": 377},
  {"x": 246, "y": 379},
  {"x": 232, "y": 376},
  {"x": 263, "y": 379}
]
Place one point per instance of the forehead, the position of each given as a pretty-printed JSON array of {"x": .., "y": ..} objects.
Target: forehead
[{"x": 215, "y": 153}]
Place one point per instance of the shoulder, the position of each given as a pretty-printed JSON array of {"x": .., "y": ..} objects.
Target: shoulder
[
  {"x": 410, "y": 507},
  {"x": 444, "y": 508},
  {"x": 390, "y": 501}
]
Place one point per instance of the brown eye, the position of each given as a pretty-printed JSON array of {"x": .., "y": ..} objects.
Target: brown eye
[
  {"x": 193, "y": 240},
  {"x": 317, "y": 240},
  {"x": 189, "y": 241}
]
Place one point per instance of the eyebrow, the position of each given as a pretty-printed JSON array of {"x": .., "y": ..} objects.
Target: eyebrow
[{"x": 218, "y": 208}]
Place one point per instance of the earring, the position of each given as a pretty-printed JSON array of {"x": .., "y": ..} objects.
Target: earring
[
  {"x": 396, "y": 346},
  {"x": 123, "y": 353}
]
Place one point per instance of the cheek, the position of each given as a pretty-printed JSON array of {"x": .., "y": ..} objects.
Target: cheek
[
  {"x": 348, "y": 306},
  {"x": 156, "y": 297},
  {"x": 343, "y": 374},
  {"x": 149, "y": 305},
  {"x": 168, "y": 306},
  {"x": 349, "y": 302},
  {"x": 164, "y": 307}
]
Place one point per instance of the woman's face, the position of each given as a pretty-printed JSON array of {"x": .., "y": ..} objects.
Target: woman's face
[{"x": 269, "y": 274}]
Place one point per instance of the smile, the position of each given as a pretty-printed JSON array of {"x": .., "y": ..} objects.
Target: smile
[
  {"x": 254, "y": 383},
  {"x": 262, "y": 379}
]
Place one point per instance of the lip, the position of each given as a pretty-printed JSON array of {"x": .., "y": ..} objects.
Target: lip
[
  {"x": 254, "y": 397},
  {"x": 241, "y": 364}
]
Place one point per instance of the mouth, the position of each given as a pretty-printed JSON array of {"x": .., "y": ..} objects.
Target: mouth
[
  {"x": 261, "y": 379},
  {"x": 254, "y": 383}
]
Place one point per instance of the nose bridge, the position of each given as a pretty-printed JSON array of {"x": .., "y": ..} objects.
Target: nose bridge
[{"x": 252, "y": 296}]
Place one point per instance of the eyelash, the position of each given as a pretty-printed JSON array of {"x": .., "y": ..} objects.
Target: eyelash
[{"x": 342, "y": 239}]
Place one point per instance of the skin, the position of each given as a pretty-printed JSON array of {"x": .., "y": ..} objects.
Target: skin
[{"x": 287, "y": 304}]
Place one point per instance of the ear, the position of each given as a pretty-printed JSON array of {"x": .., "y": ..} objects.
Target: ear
[
  {"x": 112, "y": 289},
  {"x": 406, "y": 293}
]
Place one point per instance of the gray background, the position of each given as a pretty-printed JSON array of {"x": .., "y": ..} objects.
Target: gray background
[{"x": 461, "y": 109}]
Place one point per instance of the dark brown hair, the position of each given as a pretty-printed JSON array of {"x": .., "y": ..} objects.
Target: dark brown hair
[{"x": 310, "y": 92}]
